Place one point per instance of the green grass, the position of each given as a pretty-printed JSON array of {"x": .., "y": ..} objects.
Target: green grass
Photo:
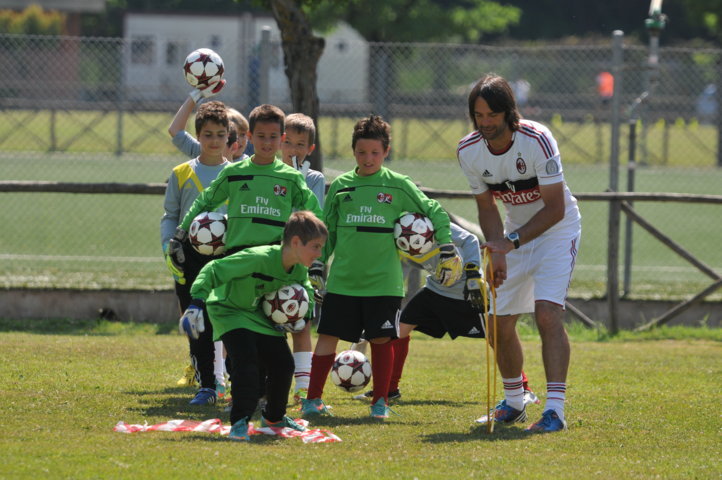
[{"x": 641, "y": 408}]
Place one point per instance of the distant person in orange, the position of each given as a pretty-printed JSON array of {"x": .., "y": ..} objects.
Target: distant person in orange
[{"x": 605, "y": 86}]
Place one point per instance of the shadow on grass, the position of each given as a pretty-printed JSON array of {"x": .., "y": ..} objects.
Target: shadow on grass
[
  {"x": 479, "y": 433},
  {"x": 99, "y": 326}
]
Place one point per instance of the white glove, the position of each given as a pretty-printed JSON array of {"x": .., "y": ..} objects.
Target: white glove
[
  {"x": 449, "y": 269},
  {"x": 289, "y": 327},
  {"x": 191, "y": 323},
  {"x": 197, "y": 94}
]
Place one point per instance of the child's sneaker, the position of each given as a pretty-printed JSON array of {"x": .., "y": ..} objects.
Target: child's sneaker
[
  {"x": 239, "y": 431},
  {"x": 313, "y": 406},
  {"x": 221, "y": 390},
  {"x": 549, "y": 422},
  {"x": 205, "y": 396},
  {"x": 189, "y": 377},
  {"x": 285, "y": 422},
  {"x": 299, "y": 395},
  {"x": 368, "y": 396},
  {"x": 380, "y": 409},
  {"x": 505, "y": 415}
]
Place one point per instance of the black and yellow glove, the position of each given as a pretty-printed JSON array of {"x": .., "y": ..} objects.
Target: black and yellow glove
[
  {"x": 448, "y": 271},
  {"x": 473, "y": 286}
]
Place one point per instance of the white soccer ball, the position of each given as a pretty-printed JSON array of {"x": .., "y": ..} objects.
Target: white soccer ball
[
  {"x": 351, "y": 371},
  {"x": 207, "y": 233},
  {"x": 414, "y": 233},
  {"x": 203, "y": 68},
  {"x": 288, "y": 304}
]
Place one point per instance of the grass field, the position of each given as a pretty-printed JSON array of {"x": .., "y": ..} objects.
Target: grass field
[
  {"x": 112, "y": 241},
  {"x": 637, "y": 408}
]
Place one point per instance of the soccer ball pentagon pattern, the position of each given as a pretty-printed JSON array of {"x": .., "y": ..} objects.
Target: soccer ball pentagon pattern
[
  {"x": 414, "y": 233},
  {"x": 288, "y": 304},
  {"x": 207, "y": 233},
  {"x": 351, "y": 371},
  {"x": 203, "y": 68}
]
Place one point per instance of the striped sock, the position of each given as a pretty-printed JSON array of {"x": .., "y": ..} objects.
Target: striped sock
[
  {"x": 514, "y": 392},
  {"x": 556, "y": 395}
]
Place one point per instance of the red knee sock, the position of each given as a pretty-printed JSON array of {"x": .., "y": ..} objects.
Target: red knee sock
[
  {"x": 401, "y": 350},
  {"x": 320, "y": 367},
  {"x": 382, "y": 361}
]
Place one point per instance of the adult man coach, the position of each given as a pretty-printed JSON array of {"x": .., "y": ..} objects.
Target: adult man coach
[{"x": 517, "y": 161}]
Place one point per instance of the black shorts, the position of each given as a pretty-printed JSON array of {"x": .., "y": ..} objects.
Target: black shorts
[
  {"x": 346, "y": 317},
  {"x": 436, "y": 315}
]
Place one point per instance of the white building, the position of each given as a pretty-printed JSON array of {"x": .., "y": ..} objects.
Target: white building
[{"x": 159, "y": 43}]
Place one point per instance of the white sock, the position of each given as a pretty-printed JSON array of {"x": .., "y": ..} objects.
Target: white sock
[
  {"x": 514, "y": 392},
  {"x": 556, "y": 395},
  {"x": 302, "y": 373},
  {"x": 219, "y": 365}
]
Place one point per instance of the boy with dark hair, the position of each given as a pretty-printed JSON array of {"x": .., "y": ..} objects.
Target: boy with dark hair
[
  {"x": 186, "y": 182},
  {"x": 189, "y": 145},
  {"x": 365, "y": 291},
  {"x": 297, "y": 144},
  {"x": 261, "y": 192},
  {"x": 232, "y": 287}
]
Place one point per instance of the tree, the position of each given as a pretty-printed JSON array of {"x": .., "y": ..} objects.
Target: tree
[{"x": 376, "y": 20}]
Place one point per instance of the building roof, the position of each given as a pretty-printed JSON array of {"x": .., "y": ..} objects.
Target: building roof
[{"x": 71, "y": 6}]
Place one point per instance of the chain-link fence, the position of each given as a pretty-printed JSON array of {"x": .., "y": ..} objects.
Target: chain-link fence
[{"x": 97, "y": 110}]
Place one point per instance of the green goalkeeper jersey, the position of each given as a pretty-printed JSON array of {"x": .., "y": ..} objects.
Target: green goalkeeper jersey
[
  {"x": 360, "y": 213},
  {"x": 260, "y": 200},
  {"x": 233, "y": 286}
]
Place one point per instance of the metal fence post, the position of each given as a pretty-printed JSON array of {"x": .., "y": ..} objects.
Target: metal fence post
[
  {"x": 264, "y": 67},
  {"x": 614, "y": 205}
]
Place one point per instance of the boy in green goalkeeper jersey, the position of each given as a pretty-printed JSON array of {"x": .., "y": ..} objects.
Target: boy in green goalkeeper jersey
[
  {"x": 231, "y": 289},
  {"x": 365, "y": 284},
  {"x": 261, "y": 192}
]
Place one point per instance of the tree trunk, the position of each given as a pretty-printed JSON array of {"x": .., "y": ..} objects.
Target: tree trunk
[{"x": 301, "y": 51}]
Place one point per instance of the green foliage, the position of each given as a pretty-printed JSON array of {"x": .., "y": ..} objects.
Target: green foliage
[
  {"x": 706, "y": 14},
  {"x": 32, "y": 21},
  {"x": 415, "y": 21},
  {"x": 628, "y": 403}
]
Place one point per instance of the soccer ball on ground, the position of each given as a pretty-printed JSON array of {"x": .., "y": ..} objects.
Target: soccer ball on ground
[
  {"x": 207, "y": 233},
  {"x": 351, "y": 371},
  {"x": 203, "y": 68},
  {"x": 414, "y": 233},
  {"x": 288, "y": 304}
]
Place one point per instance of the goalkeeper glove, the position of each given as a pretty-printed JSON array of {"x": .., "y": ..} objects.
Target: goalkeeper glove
[
  {"x": 316, "y": 275},
  {"x": 448, "y": 271},
  {"x": 291, "y": 327},
  {"x": 191, "y": 323},
  {"x": 175, "y": 247},
  {"x": 473, "y": 286},
  {"x": 197, "y": 94},
  {"x": 174, "y": 269}
]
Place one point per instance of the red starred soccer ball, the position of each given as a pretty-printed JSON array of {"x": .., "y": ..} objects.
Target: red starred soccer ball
[
  {"x": 203, "y": 68},
  {"x": 207, "y": 233},
  {"x": 351, "y": 371},
  {"x": 414, "y": 234},
  {"x": 288, "y": 304}
]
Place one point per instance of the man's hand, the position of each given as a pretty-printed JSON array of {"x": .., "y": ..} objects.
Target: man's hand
[
  {"x": 197, "y": 94},
  {"x": 448, "y": 271},
  {"x": 496, "y": 269},
  {"x": 289, "y": 327},
  {"x": 473, "y": 286},
  {"x": 317, "y": 275},
  {"x": 191, "y": 323}
]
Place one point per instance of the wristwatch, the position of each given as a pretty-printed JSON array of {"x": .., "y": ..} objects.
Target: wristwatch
[{"x": 513, "y": 237}]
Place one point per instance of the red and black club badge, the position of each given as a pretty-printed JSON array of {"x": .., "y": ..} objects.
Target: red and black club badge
[
  {"x": 384, "y": 197},
  {"x": 520, "y": 164},
  {"x": 279, "y": 190}
]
